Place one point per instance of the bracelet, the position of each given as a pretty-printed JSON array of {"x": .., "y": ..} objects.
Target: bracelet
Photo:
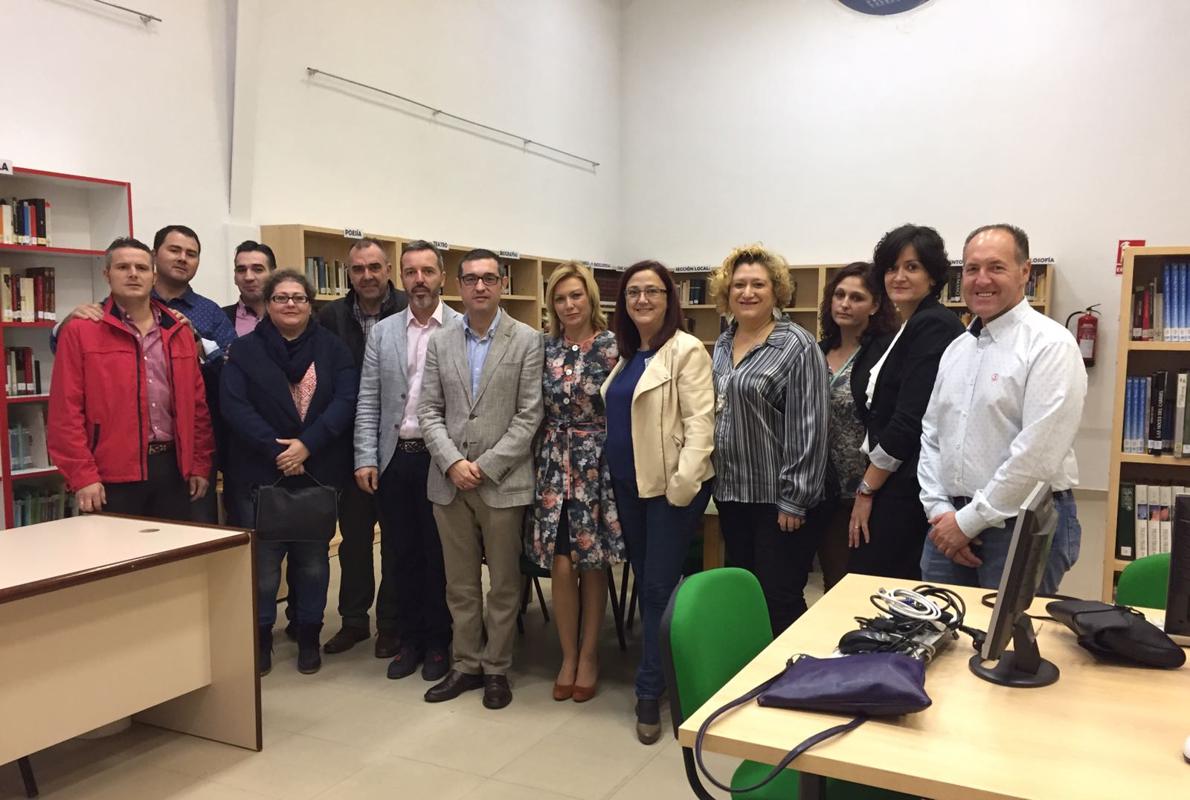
[{"x": 864, "y": 489}]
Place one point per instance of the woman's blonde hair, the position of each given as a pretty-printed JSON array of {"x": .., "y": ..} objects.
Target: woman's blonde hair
[
  {"x": 574, "y": 269},
  {"x": 774, "y": 264}
]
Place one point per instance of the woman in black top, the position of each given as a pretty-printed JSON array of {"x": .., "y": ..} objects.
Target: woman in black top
[{"x": 892, "y": 385}]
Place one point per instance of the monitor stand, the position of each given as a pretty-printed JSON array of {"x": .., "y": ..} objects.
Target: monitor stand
[{"x": 1022, "y": 667}]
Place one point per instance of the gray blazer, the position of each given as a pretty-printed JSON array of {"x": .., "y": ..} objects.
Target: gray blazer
[
  {"x": 495, "y": 428},
  {"x": 383, "y": 386}
]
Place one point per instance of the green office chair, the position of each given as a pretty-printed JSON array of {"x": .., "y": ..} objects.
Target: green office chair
[
  {"x": 1144, "y": 582},
  {"x": 716, "y": 622}
]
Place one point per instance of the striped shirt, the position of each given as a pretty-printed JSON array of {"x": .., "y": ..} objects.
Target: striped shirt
[{"x": 771, "y": 420}]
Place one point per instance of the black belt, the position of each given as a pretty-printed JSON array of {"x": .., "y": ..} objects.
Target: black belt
[
  {"x": 1062, "y": 494},
  {"x": 411, "y": 446},
  {"x": 157, "y": 448}
]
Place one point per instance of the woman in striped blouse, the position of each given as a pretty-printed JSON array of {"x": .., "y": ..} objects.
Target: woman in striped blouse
[{"x": 770, "y": 431}]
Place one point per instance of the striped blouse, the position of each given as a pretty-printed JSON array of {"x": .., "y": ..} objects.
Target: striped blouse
[{"x": 771, "y": 420}]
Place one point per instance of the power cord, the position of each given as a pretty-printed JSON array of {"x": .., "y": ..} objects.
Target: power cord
[{"x": 917, "y": 622}]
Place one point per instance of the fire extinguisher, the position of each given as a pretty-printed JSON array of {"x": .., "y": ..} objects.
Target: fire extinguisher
[{"x": 1086, "y": 333}]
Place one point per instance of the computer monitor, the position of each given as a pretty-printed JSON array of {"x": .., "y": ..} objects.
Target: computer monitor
[{"x": 1028, "y": 553}]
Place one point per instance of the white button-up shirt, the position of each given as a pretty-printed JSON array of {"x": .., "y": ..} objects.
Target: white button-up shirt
[
  {"x": 417, "y": 337},
  {"x": 1003, "y": 415}
]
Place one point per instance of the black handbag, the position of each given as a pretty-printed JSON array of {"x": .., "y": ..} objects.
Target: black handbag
[
  {"x": 1117, "y": 631},
  {"x": 288, "y": 513},
  {"x": 864, "y": 685}
]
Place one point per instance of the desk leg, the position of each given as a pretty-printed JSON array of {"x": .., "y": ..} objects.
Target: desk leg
[
  {"x": 27, "y": 776},
  {"x": 712, "y": 542},
  {"x": 811, "y": 787}
]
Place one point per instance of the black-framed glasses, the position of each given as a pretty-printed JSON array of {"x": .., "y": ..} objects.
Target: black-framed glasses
[
  {"x": 488, "y": 278},
  {"x": 651, "y": 292},
  {"x": 285, "y": 299}
]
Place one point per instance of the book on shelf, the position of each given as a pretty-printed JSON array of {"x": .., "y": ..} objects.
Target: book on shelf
[
  {"x": 692, "y": 291},
  {"x": 1157, "y": 414},
  {"x": 328, "y": 277},
  {"x": 23, "y": 373},
  {"x": 1142, "y": 520},
  {"x": 1161, "y": 307},
  {"x": 954, "y": 284},
  {"x": 31, "y": 505},
  {"x": 1126, "y": 522},
  {"x": 1145, "y": 519},
  {"x": 26, "y": 221},
  {"x": 28, "y": 297}
]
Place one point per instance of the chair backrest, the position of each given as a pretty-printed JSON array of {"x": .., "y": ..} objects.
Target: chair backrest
[
  {"x": 715, "y": 623},
  {"x": 1144, "y": 582}
]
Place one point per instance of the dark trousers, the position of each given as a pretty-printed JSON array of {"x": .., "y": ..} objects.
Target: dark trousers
[
  {"x": 307, "y": 571},
  {"x": 780, "y": 561},
  {"x": 164, "y": 495},
  {"x": 357, "y": 580},
  {"x": 205, "y": 509},
  {"x": 411, "y": 553},
  {"x": 658, "y": 536},
  {"x": 898, "y": 529},
  {"x": 833, "y": 552}
]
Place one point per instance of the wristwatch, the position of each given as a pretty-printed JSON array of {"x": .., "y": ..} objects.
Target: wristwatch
[{"x": 865, "y": 489}]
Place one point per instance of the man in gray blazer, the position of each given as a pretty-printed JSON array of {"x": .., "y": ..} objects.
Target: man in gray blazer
[
  {"x": 392, "y": 462},
  {"x": 479, "y": 409}
]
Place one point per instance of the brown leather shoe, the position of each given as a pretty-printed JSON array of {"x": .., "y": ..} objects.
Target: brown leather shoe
[
  {"x": 563, "y": 691},
  {"x": 453, "y": 685},
  {"x": 388, "y": 644},
  {"x": 496, "y": 691},
  {"x": 584, "y": 693}
]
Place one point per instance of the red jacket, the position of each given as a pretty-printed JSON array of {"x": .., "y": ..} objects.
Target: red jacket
[{"x": 98, "y": 426}]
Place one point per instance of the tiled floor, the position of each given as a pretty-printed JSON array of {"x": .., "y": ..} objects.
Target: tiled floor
[{"x": 348, "y": 732}]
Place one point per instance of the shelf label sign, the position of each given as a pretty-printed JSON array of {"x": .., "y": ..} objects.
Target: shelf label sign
[
  {"x": 511, "y": 255},
  {"x": 443, "y": 246},
  {"x": 6, "y": 167},
  {"x": 1125, "y": 243},
  {"x": 353, "y": 233}
]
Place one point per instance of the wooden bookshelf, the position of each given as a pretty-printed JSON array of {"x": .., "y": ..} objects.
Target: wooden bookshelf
[
  {"x": 87, "y": 214},
  {"x": 1133, "y": 359},
  {"x": 1041, "y": 297}
]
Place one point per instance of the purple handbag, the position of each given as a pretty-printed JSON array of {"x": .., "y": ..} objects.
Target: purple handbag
[{"x": 864, "y": 685}]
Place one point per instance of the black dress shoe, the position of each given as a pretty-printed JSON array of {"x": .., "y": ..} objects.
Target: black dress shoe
[
  {"x": 436, "y": 664},
  {"x": 388, "y": 644},
  {"x": 405, "y": 662},
  {"x": 291, "y": 631},
  {"x": 452, "y": 686},
  {"x": 345, "y": 639},
  {"x": 648, "y": 720},
  {"x": 496, "y": 691}
]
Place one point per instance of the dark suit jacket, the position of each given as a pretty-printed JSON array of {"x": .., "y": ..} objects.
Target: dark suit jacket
[
  {"x": 258, "y": 409},
  {"x": 230, "y": 313},
  {"x": 903, "y": 388}
]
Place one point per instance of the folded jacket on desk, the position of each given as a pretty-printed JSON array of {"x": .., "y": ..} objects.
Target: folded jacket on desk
[{"x": 1117, "y": 631}]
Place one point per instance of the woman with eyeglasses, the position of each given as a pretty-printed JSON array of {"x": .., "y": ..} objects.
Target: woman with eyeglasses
[
  {"x": 660, "y": 427},
  {"x": 288, "y": 395}
]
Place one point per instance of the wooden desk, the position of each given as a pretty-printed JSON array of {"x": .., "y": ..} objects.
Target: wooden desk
[
  {"x": 1099, "y": 732},
  {"x": 103, "y": 617}
]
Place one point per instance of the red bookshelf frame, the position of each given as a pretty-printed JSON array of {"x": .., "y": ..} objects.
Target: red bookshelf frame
[{"x": 7, "y": 476}]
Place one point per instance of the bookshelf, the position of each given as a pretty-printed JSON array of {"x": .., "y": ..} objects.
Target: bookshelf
[
  {"x": 1137, "y": 359},
  {"x": 87, "y": 214},
  {"x": 293, "y": 244}
]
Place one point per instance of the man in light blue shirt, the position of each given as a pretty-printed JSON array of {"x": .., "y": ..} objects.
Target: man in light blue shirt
[{"x": 478, "y": 346}]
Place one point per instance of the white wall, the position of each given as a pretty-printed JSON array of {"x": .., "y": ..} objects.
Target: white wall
[
  {"x": 814, "y": 129},
  {"x": 328, "y": 155},
  {"x": 105, "y": 96}
]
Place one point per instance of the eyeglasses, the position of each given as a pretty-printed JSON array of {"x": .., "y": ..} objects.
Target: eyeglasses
[
  {"x": 651, "y": 292},
  {"x": 284, "y": 299},
  {"x": 488, "y": 278}
]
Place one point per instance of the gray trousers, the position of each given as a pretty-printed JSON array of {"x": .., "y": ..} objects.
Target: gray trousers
[{"x": 470, "y": 530}]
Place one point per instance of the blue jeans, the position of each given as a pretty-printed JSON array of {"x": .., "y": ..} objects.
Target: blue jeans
[
  {"x": 937, "y": 568},
  {"x": 658, "y": 537}
]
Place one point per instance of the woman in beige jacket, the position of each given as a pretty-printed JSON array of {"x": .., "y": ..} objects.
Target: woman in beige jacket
[{"x": 660, "y": 428}]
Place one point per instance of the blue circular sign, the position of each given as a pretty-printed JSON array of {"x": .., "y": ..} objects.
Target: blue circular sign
[{"x": 881, "y": 7}]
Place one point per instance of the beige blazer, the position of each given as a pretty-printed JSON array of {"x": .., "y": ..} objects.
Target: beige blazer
[
  {"x": 495, "y": 428},
  {"x": 673, "y": 420}
]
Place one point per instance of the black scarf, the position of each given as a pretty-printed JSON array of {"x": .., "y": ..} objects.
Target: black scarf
[{"x": 295, "y": 356}]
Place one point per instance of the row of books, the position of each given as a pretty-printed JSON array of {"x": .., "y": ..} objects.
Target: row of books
[
  {"x": 1155, "y": 411},
  {"x": 24, "y": 372},
  {"x": 21, "y": 445},
  {"x": 1034, "y": 288},
  {"x": 31, "y": 505},
  {"x": 1145, "y": 519},
  {"x": 327, "y": 277},
  {"x": 25, "y": 221},
  {"x": 30, "y": 297},
  {"x": 1161, "y": 307},
  {"x": 692, "y": 291}
]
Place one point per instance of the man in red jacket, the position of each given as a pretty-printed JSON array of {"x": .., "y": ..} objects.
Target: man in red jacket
[{"x": 128, "y": 422}]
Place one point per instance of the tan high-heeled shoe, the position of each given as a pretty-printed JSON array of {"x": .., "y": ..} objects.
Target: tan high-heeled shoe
[
  {"x": 563, "y": 691},
  {"x": 584, "y": 693}
]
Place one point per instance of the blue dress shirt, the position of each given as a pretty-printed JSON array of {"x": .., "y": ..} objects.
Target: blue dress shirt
[{"x": 477, "y": 348}]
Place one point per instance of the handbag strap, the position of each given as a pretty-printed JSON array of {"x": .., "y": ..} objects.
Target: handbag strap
[
  {"x": 805, "y": 745},
  {"x": 303, "y": 475}
]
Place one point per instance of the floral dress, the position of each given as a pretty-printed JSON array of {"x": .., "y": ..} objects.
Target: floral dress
[
  {"x": 570, "y": 461},
  {"x": 845, "y": 436}
]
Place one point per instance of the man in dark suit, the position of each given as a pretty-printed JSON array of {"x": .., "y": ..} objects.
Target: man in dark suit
[{"x": 372, "y": 298}]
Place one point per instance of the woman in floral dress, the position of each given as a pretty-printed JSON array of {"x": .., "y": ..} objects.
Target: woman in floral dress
[{"x": 575, "y": 530}]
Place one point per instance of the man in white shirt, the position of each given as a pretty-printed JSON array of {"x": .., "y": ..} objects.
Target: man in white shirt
[
  {"x": 1003, "y": 415},
  {"x": 392, "y": 462}
]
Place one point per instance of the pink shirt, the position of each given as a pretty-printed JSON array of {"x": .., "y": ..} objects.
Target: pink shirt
[
  {"x": 303, "y": 391},
  {"x": 417, "y": 337},
  {"x": 246, "y": 319},
  {"x": 161, "y": 405}
]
